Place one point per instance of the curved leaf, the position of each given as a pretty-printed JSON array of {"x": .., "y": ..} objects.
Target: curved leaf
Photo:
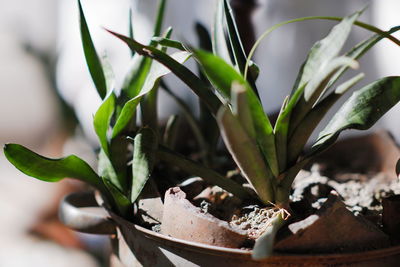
[
  {"x": 361, "y": 110},
  {"x": 121, "y": 202},
  {"x": 144, "y": 147},
  {"x": 157, "y": 71},
  {"x": 102, "y": 119},
  {"x": 302, "y": 133},
  {"x": 219, "y": 42},
  {"x": 92, "y": 59},
  {"x": 51, "y": 170},
  {"x": 223, "y": 81},
  {"x": 317, "y": 87},
  {"x": 237, "y": 46},
  {"x": 106, "y": 170},
  {"x": 246, "y": 154},
  {"x": 169, "y": 43},
  {"x": 325, "y": 50},
  {"x": 207, "y": 174},
  {"x": 359, "y": 50},
  {"x": 187, "y": 76}
]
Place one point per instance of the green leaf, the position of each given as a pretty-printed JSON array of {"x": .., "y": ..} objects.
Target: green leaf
[
  {"x": 156, "y": 72},
  {"x": 125, "y": 117},
  {"x": 379, "y": 34},
  {"x": 223, "y": 81},
  {"x": 51, "y": 170},
  {"x": 159, "y": 18},
  {"x": 302, "y": 133},
  {"x": 264, "y": 246},
  {"x": 187, "y": 76},
  {"x": 361, "y": 110},
  {"x": 236, "y": 44},
  {"x": 246, "y": 154},
  {"x": 102, "y": 120},
  {"x": 207, "y": 123},
  {"x": 254, "y": 70},
  {"x": 144, "y": 147},
  {"x": 136, "y": 76},
  {"x": 207, "y": 174},
  {"x": 241, "y": 109},
  {"x": 234, "y": 38},
  {"x": 149, "y": 107},
  {"x": 130, "y": 27},
  {"x": 281, "y": 131},
  {"x": 107, "y": 170},
  {"x": 122, "y": 203},
  {"x": 317, "y": 86},
  {"x": 325, "y": 50},
  {"x": 219, "y": 41},
  {"x": 92, "y": 59},
  {"x": 169, "y": 43},
  {"x": 359, "y": 50}
]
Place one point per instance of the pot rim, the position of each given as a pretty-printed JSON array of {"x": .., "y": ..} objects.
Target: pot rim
[{"x": 236, "y": 252}]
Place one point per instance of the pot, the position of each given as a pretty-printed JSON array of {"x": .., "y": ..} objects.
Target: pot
[{"x": 134, "y": 245}]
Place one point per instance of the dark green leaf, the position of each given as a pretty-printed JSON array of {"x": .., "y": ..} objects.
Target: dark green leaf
[
  {"x": 122, "y": 203},
  {"x": 145, "y": 145},
  {"x": 280, "y": 132},
  {"x": 234, "y": 38},
  {"x": 236, "y": 45},
  {"x": 187, "y": 76},
  {"x": 205, "y": 173},
  {"x": 51, "y": 170},
  {"x": 361, "y": 110},
  {"x": 169, "y": 43},
  {"x": 159, "y": 17},
  {"x": 136, "y": 76},
  {"x": 156, "y": 72},
  {"x": 92, "y": 59},
  {"x": 107, "y": 171},
  {"x": 125, "y": 117}
]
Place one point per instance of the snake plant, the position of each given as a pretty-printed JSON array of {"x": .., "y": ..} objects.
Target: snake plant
[{"x": 269, "y": 155}]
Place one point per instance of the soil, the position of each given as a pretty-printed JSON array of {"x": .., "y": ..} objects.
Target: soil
[{"x": 361, "y": 194}]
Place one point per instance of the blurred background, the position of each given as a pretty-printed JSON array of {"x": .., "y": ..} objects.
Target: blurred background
[{"x": 46, "y": 88}]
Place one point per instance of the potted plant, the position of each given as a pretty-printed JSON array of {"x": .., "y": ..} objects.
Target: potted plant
[{"x": 138, "y": 160}]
